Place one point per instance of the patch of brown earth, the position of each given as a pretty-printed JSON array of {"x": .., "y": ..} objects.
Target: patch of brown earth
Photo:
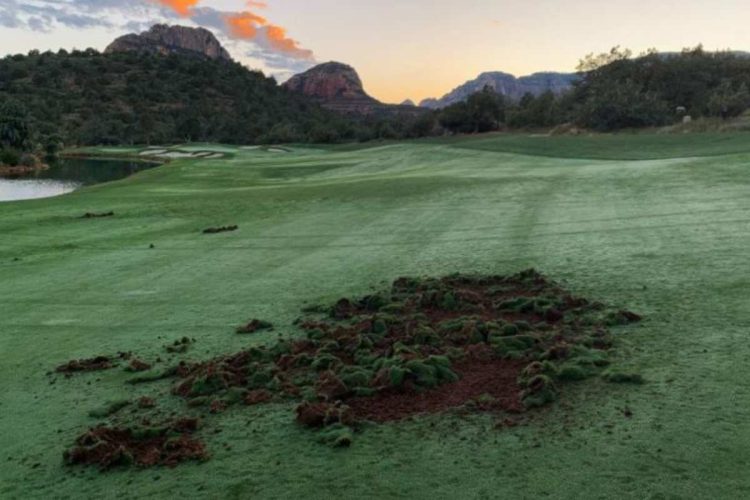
[
  {"x": 107, "y": 447},
  {"x": 490, "y": 385},
  {"x": 86, "y": 365}
]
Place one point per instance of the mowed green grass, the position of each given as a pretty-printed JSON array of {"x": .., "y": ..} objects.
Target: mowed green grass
[{"x": 667, "y": 236}]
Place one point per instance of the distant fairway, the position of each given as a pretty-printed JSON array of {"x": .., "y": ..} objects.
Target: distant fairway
[{"x": 655, "y": 223}]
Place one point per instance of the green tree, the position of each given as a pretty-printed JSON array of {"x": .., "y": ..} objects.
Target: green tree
[
  {"x": 727, "y": 101},
  {"x": 15, "y": 132}
]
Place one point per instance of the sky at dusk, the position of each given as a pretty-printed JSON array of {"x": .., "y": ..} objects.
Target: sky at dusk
[{"x": 401, "y": 48}]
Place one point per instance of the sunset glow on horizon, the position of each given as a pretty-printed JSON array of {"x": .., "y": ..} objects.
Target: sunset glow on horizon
[{"x": 408, "y": 49}]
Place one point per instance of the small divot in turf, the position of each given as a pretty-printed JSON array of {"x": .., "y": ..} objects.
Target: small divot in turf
[
  {"x": 222, "y": 229},
  {"x": 97, "y": 215}
]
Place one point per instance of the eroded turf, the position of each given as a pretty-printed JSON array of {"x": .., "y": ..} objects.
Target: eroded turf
[{"x": 481, "y": 343}]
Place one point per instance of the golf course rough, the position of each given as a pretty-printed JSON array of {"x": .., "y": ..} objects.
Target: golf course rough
[{"x": 664, "y": 234}]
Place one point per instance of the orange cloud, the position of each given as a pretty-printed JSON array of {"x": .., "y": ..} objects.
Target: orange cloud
[
  {"x": 244, "y": 24},
  {"x": 182, "y": 7},
  {"x": 248, "y": 26},
  {"x": 278, "y": 40}
]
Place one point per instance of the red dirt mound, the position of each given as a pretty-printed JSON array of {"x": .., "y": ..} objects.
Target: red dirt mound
[{"x": 491, "y": 385}]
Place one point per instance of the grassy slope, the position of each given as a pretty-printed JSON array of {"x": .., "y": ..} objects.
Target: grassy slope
[{"x": 667, "y": 238}]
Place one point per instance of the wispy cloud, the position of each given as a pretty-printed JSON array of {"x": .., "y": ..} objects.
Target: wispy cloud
[{"x": 245, "y": 32}]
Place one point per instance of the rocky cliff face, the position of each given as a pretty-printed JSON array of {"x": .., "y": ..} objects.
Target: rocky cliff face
[
  {"x": 336, "y": 86},
  {"x": 163, "y": 39},
  {"x": 506, "y": 84}
]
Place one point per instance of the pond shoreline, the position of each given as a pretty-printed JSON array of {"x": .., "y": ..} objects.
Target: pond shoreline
[
  {"x": 19, "y": 170},
  {"x": 68, "y": 174},
  {"x": 156, "y": 160}
]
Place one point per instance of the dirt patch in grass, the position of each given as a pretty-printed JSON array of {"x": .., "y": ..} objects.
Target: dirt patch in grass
[
  {"x": 222, "y": 229},
  {"x": 97, "y": 215},
  {"x": 488, "y": 385},
  {"x": 86, "y": 365},
  {"x": 426, "y": 345},
  {"x": 499, "y": 344},
  {"x": 147, "y": 446}
]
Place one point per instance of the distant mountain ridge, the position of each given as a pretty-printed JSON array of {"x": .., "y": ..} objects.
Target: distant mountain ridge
[
  {"x": 164, "y": 39},
  {"x": 506, "y": 84}
]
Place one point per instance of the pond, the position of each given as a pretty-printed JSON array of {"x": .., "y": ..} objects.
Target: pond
[{"x": 65, "y": 176}]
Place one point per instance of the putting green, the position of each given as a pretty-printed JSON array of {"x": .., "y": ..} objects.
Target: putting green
[{"x": 666, "y": 236}]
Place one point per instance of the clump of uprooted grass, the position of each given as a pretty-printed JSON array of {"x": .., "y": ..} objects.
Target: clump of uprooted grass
[
  {"x": 144, "y": 446},
  {"x": 254, "y": 325}
]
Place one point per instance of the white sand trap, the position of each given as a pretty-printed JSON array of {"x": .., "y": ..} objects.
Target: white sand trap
[
  {"x": 176, "y": 154},
  {"x": 277, "y": 150},
  {"x": 250, "y": 148},
  {"x": 214, "y": 156},
  {"x": 153, "y": 152}
]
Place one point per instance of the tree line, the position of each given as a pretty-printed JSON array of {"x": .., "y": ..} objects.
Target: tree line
[{"x": 48, "y": 100}]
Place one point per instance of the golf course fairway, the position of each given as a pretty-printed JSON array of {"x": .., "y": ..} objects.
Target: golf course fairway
[{"x": 659, "y": 225}]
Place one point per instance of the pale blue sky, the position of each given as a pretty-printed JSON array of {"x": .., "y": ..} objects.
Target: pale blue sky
[{"x": 421, "y": 48}]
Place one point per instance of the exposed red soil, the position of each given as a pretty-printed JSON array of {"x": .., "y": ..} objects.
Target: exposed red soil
[
  {"x": 490, "y": 385},
  {"x": 108, "y": 447},
  {"x": 86, "y": 365},
  {"x": 498, "y": 344}
]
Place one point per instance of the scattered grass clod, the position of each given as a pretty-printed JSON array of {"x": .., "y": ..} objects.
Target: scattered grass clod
[
  {"x": 254, "y": 325},
  {"x": 136, "y": 365},
  {"x": 86, "y": 365},
  {"x": 222, "y": 229},
  {"x": 180, "y": 346},
  {"x": 502, "y": 344},
  {"x": 147, "y": 446},
  {"x": 97, "y": 215}
]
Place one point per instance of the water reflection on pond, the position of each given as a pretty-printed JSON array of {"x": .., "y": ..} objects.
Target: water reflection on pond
[{"x": 67, "y": 175}]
